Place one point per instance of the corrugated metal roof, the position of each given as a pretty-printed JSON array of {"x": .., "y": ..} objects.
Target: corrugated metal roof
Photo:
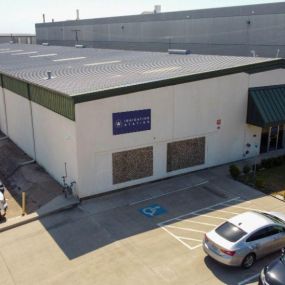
[
  {"x": 266, "y": 106},
  {"x": 79, "y": 71}
]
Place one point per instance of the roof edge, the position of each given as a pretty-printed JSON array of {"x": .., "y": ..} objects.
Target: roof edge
[{"x": 250, "y": 69}]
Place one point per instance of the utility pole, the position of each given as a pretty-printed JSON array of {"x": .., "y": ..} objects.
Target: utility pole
[{"x": 76, "y": 35}]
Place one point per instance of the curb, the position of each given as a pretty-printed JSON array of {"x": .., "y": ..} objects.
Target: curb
[{"x": 20, "y": 221}]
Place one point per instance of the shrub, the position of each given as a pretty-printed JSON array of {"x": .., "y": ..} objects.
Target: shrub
[
  {"x": 278, "y": 161},
  {"x": 259, "y": 183},
  {"x": 246, "y": 169},
  {"x": 234, "y": 171},
  {"x": 258, "y": 166},
  {"x": 267, "y": 163}
]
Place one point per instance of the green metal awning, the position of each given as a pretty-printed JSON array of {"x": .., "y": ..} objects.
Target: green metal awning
[{"x": 266, "y": 106}]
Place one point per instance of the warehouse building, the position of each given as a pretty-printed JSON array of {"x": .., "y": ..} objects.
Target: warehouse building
[
  {"x": 242, "y": 31},
  {"x": 120, "y": 118},
  {"x": 18, "y": 38}
]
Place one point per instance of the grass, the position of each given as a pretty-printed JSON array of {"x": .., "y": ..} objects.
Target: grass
[{"x": 269, "y": 181}]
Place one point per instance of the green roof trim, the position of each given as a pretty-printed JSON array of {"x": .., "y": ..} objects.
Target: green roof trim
[
  {"x": 60, "y": 104},
  {"x": 266, "y": 106},
  {"x": 15, "y": 85},
  {"x": 250, "y": 69}
]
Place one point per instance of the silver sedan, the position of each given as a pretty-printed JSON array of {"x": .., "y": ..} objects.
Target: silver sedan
[{"x": 245, "y": 238}]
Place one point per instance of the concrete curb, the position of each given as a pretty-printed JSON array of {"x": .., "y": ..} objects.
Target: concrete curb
[{"x": 20, "y": 221}]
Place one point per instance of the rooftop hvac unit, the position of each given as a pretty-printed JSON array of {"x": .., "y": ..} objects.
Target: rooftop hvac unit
[
  {"x": 80, "y": 46},
  {"x": 45, "y": 44},
  {"x": 179, "y": 51}
]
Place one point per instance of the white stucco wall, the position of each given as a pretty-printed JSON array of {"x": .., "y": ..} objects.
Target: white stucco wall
[
  {"x": 267, "y": 78},
  {"x": 55, "y": 139},
  {"x": 19, "y": 121},
  {"x": 3, "y": 127},
  {"x": 178, "y": 112}
]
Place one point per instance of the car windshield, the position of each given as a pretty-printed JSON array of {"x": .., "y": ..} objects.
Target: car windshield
[
  {"x": 230, "y": 232},
  {"x": 273, "y": 218}
]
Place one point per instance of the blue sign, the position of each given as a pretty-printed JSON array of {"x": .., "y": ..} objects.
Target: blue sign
[
  {"x": 152, "y": 211},
  {"x": 132, "y": 121}
]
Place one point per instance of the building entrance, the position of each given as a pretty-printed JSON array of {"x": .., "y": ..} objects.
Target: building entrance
[{"x": 272, "y": 138}]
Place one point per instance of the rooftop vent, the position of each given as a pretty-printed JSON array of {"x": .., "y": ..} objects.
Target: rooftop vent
[
  {"x": 179, "y": 51},
  {"x": 45, "y": 44},
  {"x": 49, "y": 75},
  {"x": 80, "y": 46}
]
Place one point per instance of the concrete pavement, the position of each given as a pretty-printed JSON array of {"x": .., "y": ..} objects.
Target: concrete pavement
[{"x": 108, "y": 240}]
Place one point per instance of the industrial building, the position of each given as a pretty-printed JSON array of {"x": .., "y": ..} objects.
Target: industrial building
[
  {"x": 253, "y": 30},
  {"x": 120, "y": 118},
  {"x": 18, "y": 38}
]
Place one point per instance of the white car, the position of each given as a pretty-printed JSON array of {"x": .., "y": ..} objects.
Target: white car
[{"x": 246, "y": 237}]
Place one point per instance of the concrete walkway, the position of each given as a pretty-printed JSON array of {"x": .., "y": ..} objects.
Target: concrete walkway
[{"x": 58, "y": 204}]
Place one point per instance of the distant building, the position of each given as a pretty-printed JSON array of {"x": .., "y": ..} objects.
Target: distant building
[
  {"x": 18, "y": 38},
  {"x": 253, "y": 30},
  {"x": 116, "y": 118}
]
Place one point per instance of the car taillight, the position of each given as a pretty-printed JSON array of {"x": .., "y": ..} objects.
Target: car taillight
[{"x": 228, "y": 252}]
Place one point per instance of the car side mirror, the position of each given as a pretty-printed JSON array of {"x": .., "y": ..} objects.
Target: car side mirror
[{"x": 283, "y": 251}]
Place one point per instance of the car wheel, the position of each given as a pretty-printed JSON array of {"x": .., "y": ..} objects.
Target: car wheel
[{"x": 248, "y": 261}]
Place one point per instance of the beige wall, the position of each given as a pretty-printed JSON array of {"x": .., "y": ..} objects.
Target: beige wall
[
  {"x": 178, "y": 112},
  {"x": 54, "y": 135}
]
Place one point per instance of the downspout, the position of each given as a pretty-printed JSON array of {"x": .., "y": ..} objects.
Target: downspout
[
  {"x": 5, "y": 108},
  {"x": 33, "y": 131}
]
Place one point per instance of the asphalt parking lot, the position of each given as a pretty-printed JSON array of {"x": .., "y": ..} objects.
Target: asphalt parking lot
[{"x": 148, "y": 235}]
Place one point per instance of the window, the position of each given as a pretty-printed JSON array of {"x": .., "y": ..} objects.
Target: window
[
  {"x": 273, "y": 218},
  {"x": 230, "y": 232},
  {"x": 264, "y": 233}
]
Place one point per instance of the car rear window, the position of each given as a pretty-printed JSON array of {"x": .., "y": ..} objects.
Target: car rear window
[{"x": 230, "y": 232}]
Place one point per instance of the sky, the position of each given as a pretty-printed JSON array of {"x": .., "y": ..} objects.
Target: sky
[{"x": 20, "y": 16}]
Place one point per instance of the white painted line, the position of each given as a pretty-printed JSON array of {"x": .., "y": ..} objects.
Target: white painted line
[
  {"x": 24, "y": 53},
  {"x": 168, "y": 193},
  {"x": 248, "y": 279},
  {"x": 102, "y": 63},
  {"x": 197, "y": 211},
  {"x": 225, "y": 211},
  {"x": 244, "y": 208},
  {"x": 4, "y": 49},
  {"x": 43, "y": 55},
  {"x": 199, "y": 223},
  {"x": 185, "y": 244},
  {"x": 69, "y": 59},
  {"x": 186, "y": 229},
  {"x": 10, "y": 51},
  {"x": 210, "y": 216},
  {"x": 186, "y": 238}
]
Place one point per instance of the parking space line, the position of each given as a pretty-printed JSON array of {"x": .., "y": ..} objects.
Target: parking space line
[
  {"x": 168, "y": 193},
  {"x": 173, "y": 235},
  {"x": 197, "y": 211},
  {"x": 224, "y": 211},
  {"x": 248, "y": 279},
  {"x": 167, "y": 224},
  {"x": 244, "y": 208},
  {"x": 210, "y": 216},
  {"x": 199, "y": 223},
  {"x": 186, "y": 229},
  {"x": 186, "y": 238}
]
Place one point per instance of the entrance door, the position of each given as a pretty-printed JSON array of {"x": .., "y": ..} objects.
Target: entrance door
[
  {"x": 281, "y": 142},
  {"x": 264, "y": 140},
  {"x": 272, "y": 139}
]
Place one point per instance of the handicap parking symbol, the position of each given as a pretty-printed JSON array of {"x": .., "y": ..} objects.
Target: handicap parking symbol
[{"x": 152, "y": 211}]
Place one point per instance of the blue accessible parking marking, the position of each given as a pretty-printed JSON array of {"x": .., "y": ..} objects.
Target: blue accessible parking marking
[{"x": 152, "y": 211}]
